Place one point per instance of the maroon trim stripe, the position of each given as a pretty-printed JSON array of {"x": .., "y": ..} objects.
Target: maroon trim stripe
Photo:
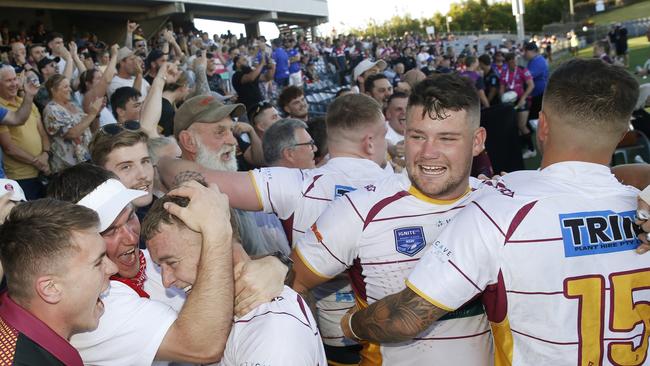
[
  {"x": 464, "y": 275},
  {"x": 545, "y": 340},
  {"x": 354, "y": 207},
  {"x": 518, "y": 219},
  {"x": 326, "y": 310},
  {"x": 419, "y": 215},
  {"x": 381, "y": 205},
  {"x": 533, "y": 241},
  {"x": 313, "y": 183},
  {"x": 390, "y": 262},
  {"x": 489, "y": 217},
  {"x": 449, "y": 338},
  {"x": 535, "y": 293},
  {"x": 332, "y": 254},
  {"x": 317, "y": 198},
  {"x": 273, "y": 313}
]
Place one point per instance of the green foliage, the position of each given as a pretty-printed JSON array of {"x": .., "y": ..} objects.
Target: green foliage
[{"x": 471, "y": 15}]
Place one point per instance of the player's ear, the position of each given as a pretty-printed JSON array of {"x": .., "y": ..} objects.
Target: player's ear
[
  {"x": 543, "y": 128},
  {"x": 49, "y": 289},
  {"x": 478, "y": 143}
]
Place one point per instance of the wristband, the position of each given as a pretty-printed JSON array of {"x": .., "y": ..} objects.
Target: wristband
[{"x": 356, "y": 337}]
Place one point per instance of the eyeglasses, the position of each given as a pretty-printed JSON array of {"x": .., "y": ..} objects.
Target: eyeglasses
[
  {"x": 115, "y": 128},
  {"x": 310, "y": 143}
]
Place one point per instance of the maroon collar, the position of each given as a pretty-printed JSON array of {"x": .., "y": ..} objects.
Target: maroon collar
[{"x": 26, "y": 323}]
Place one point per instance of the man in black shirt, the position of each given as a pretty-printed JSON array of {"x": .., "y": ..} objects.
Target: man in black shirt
[{"x": 245, "y": 81}]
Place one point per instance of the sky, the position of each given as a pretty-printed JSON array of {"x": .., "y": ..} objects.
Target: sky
[{"x": 343, "y": 15}]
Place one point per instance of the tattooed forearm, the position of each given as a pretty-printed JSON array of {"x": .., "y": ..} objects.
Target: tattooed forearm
[
  {"x": 187, "y": 176},
  {"x": 395, "y": 318}
]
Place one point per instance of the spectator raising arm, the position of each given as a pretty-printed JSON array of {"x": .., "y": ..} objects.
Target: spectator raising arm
[
  {"x": 100, "y": 88},
  {"x": 252, "y": 76},
  {"x": 152, "y": 106},
  {"x": 130, "y": 28},
  {"x": 75, "y": 57}
]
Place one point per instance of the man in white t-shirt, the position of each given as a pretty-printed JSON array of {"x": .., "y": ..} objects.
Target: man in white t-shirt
[
  {"x": 129, "y": 73},
  {"x": 379, "y": 233},
  {"x": 356, "y": 141},
  {"x": 141, "y": 322},
  {"x": 550, "y": 252},
  {"x": 280, "y": 332}
]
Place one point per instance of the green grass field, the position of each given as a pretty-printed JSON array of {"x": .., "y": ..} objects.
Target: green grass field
[
  {"x": 639, "y": 52},
  {"x": 635, "y": 11}
]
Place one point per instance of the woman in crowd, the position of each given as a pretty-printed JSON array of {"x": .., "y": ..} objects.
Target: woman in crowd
[
  {"x": 68, "y": 125},
  {"x": 94, "y": 84}
]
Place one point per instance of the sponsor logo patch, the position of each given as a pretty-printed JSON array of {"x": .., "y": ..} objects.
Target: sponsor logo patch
[
  {"x": 597, "y": 232},
  {"x": 344, "y": 296},
  {"x": 340, "y": 190},
  {"x": 409, "y": 240}
]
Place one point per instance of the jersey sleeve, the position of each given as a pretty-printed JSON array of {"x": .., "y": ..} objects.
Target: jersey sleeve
[
  {"x": 331, "y": 245},
  {"x": 130, "y": 331},
  {"x": 279, "y": 190},
  {"x": 461, "y": 263}
]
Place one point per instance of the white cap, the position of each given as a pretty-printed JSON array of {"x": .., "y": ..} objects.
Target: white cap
[
  {"x": 108, "y": 200},
  {"x": 366, "y": 65},
  {"x": 13, "y": 188}
]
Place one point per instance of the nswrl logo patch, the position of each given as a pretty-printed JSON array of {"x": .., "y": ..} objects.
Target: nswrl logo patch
[
  {"x": 597, "y": 232},
  {"x": 340, "y": 190},
  {"x": 409, "y": 240}
]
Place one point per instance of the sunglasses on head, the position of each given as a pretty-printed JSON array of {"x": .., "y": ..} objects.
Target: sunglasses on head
[
  {"x": 260, "y": 106},
  {"x": 115, "y": 128}
]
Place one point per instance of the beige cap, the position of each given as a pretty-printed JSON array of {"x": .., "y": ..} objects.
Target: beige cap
[
  {"x": 204, "y": 109},
  {"x": 123, "y": 53}
]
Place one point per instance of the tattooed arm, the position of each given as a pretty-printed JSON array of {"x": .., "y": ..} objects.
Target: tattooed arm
[
  {"x": 395, "y": 318},
  {"x": 238, "y": 186}
]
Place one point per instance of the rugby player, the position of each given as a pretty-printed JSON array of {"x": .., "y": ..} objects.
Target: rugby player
[
  {"x": 549, "y": 252},
  {"x": 381, "y": 232}
]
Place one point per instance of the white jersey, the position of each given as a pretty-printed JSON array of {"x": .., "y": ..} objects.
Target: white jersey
[
  {"x": 380, "y": 233},
  {"x": 298, "y": 197},
  {"x": 280, "y": 332},
  {"x": 119, "y": 82},
  {"x": 132, "y": 328},
  {"x": 551, "y": 253}
]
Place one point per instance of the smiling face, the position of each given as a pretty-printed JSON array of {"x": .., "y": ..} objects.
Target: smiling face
[
  {"x": 8, "y": 83},
  {"x": 86, "y": 277},
  {"x": 132, "y": 165},
  {"x": 122, "y": 239},
  {"x": 297, "y": 108},
  {"x": 177, "y": 250},
  {"x": 439, "y": 152}
]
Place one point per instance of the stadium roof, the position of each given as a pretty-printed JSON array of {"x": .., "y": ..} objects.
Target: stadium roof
[{"x": 302, "y": 12}]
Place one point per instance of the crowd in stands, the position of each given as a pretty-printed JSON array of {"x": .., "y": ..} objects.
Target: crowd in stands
[{"x": 160, "y": 187}]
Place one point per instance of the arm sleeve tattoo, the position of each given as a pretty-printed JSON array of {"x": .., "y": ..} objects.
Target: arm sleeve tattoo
[{"x": 396, "y": 318}]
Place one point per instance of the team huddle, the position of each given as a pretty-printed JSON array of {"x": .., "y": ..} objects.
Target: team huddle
[{"x": 426, "y": 267}]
